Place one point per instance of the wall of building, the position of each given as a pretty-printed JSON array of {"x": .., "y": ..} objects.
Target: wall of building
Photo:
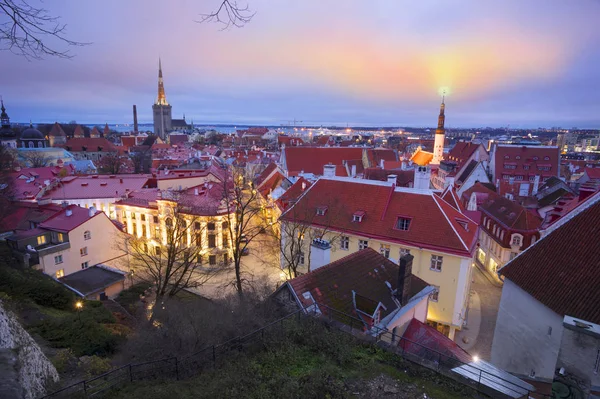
[
  {"x": 527, "y": 336},
  {"x": 452, "y": 301},
  {"x": 578, "y": 355},
  {"x": 111, "y": 291},
  {"x": 101, "y": 247},
  {"x": 418, "y": 311},
  {"x": 478, "y": 174}
]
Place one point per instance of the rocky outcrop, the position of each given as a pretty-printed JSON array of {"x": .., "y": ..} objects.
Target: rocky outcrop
[{"x": 24, "y": 369}]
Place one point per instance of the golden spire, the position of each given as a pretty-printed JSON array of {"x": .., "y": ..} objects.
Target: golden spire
[
  {"x": 162, "y": 98},
  {"x": 442, "y": 118}
]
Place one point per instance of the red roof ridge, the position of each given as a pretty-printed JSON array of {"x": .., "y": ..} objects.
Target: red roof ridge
[{"x": 435, "y": 198}]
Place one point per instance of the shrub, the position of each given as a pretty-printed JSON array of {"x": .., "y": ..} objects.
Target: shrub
[
  {"x": 61, "y": 359},
  {"x": 34, "y": 285},
  {"x": 94, "y": 365},
  {"x": 131, "y": 295}
]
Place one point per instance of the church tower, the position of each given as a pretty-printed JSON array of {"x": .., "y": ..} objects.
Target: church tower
[
  {"x": 440, "y": 135},
  {"x": 161, "y": 110}
]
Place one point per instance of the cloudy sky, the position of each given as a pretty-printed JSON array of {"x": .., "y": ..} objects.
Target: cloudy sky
[{"x": 519, "y": 63}]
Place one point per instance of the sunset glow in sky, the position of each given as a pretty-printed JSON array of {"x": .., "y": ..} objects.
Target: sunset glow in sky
[{"x": 527, "y": 63}]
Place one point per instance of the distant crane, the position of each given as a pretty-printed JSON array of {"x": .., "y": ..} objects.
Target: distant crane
[{"x": 292, "y": 123}]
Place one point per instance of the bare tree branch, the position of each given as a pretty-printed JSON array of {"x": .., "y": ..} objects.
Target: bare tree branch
[
  {"x": 229, "y": 14},
  {"x": 25, "y": 31}
]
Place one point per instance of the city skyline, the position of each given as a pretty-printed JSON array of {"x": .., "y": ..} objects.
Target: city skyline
[{"x": 381, "y": 64}]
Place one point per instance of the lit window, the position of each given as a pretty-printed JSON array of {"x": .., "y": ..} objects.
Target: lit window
[
  {"x": 403, "y": 224},
  {"x": 362, "y": 244},
  {"x": 435, "y": 294},
  {"x": 60, "y": 273},
  {"x": 83, "y": 251},
  {"x": 41, "y": 240},
  {"x": 436, "y": 262},
  {"x": 87, "y": 235},
  {"x": 58, "y": 259},
  {"x": 344, "y": 242},
  {"x": 85, "y": 265},
  {"x": 385, "y": 250}
]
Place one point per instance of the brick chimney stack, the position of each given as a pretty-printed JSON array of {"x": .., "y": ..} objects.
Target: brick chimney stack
[{"x": 404, "y": 276}]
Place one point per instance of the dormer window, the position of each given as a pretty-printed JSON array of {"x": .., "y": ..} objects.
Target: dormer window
[
  {"x": 546, "y": 158},
  {"x": 403, "y": 223},
  {"x": 357, "y": 217},
  {"x": 463, "y": 224},
  {"x": 321, "y": 211},
  {"x": 516, "y": 240}
]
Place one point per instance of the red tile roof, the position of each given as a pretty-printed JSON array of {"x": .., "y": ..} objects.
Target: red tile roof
[
  {"x": 435, "y": 224},
  {"x": 57, "y": 130},
  {"x": 312, "y": 159},
  {"x": 403, "y": 177},
  {"x": 450, "y": 196},
  {"x": 593, "y": 173},
  {"x": 293, "y": 193},
  {"x": 26, "y": 212},
  {"x": 63, "y": 223},
  {"x": 419, "y": 337},
  {"x": 421, "y": 157},
  {"x": 90, "y": 143},
  {"x": 96, "y": 186},
  {"x": 482, "y": 193},
  {"x": 561, "y": 269},
  {"x": 376, "y": 155},
  {"x": 264, "y": 175},
  {"x": 525, "y": 161},
  {"x": 289, "y": 141},
  {"x": 461, "y": 152},
  {"x": 510, "y": 214},
  {"x": 365, "y": 272}
]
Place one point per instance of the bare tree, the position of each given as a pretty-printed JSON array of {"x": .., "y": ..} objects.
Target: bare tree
[
  {"x": 141, "y": 157},
  {"x": 300, "y": 225},
  {"x": 114, "y": 164},
  {"x": 229, "y": 14},
  {"x": 35, "y": 159},
  {"x": 25, "y": 30},
  {"x": 247, "y": 222},
  {"x": 173, "y": 261}
]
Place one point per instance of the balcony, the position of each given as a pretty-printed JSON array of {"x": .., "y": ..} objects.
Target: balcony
[{"x": 48, "y": 249}]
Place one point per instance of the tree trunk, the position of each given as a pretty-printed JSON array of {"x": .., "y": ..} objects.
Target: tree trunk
[{"x": 238, "y": 278}]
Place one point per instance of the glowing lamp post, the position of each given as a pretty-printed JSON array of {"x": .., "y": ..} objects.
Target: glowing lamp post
[{"x": 79, "y": 306}]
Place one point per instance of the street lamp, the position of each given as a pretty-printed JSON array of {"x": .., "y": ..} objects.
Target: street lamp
[{"x": 79, "y": 306}]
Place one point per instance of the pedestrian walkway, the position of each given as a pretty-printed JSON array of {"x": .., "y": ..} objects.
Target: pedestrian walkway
[{"x": 467, "y": 337}]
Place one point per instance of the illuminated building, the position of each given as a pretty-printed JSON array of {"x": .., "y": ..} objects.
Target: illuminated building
[{"x": 161, "y": 110}]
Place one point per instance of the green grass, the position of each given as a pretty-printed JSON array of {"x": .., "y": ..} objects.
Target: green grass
[{"x": 310, "y": 362}]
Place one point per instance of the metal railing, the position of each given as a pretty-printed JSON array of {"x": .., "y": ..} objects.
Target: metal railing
[{"x": 174, "y": 368}]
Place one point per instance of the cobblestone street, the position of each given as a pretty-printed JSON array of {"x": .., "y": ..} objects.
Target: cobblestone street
[{"x": 483, "y": 310}]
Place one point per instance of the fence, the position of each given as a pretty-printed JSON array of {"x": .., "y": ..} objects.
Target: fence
[{"x": 209, "y": 357}]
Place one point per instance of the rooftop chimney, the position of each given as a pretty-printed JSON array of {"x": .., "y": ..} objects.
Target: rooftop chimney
[
  {"x": 392, "y": 179},
  {"x": 135, "y": 123},
  {"x": 196, "y": 191},
  {"x": 92, "y": 211},
  {"x": 320, "y": 253},
  {"x": 404, "y": 276},
  {"x": 353, "y": 169},
  {"x": 68, "y": 212},
  {"x": 329, "y": 171},
  {"x": 381, "y": 164},
  {"x": 303, "y": 185}
]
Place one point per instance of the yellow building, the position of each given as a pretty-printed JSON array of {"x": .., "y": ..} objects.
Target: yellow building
[
  {"x": 146, "y": 214},
  {"x": 355, "y": 214}
]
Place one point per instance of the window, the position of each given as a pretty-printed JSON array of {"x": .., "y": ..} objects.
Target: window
[
  {"x": 212, "y": 241},
  {"x": 404, "y": 251},
  {"x": 546, "y": 158},
  {"x": 145, "y": 248},
  {"x": 385, "y": 250},
  {"x": 481, "y": 256},
  {"x": 58, "y": 259},
  {"x": 321, "y": 210},
  {"x": 225, "y": 258},
  {"x": 516, "y": 240},
  {"x": 157, "y": 250},
  {"x": 403, "y": 223},
  {"x": 134, "y": 228},
  {"x": 225, "y": 240},
  {"x": 535, "y": 158},
  {"x": 199, "y": 259},
  {"x": 225, "y": 225},
  {"x": 435, "y": 294},
  {"x": 169, "y": 222},
  {"x": 509, "y": 166},
  {"x": 198, "y": 239},
  {"x": 60, "y": 273},
  {"x": 41, "y": 240},
  {"x": 210, "y": 226},
  {"x": 60, "y": 237},
  {"x": 357, "y": 218},
  {"x": 344, "y": 242},
  {"x": 155, "y": 219},
  {"x": 212, "y": 260},
  {"x": 362, "y": 244},
  {"x": 143, "y": 230},
  {"x": 436, "y": 262},
  {"x": 83, "y": 251},
  {"x": 300, "y": 258},
  {"x": 533, "y": 240},
  {"x": 124, "y": 214},
  {"x": 197, "y": 226},
  {"x": 85, "y": 265},
  {"x": 87, "y": 235},
  {"x": 156, "y": 232},
  {"x": 143, "y": 217},
  {"x": 518, "y": 157}
]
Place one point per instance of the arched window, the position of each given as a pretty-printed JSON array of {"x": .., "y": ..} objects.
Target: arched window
[
  {"x": 87, "y": 235},
  {"x": 225, "y": 225},
  {"x": 533, "y": 238},
  {"x": 169, "y": 222},
  {"x": 516, "y": 239},
  {"x": 40, "y": 144},
  {"x": 31, "y": 145}
]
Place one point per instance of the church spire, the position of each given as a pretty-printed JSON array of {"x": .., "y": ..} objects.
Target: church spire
[
  {"x": 4, "y": 119},
  {"x": 441, "y": 118},
  {"x": 162, "y": 98}
]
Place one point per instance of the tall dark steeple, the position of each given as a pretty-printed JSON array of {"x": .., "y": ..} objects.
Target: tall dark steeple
[
  {"x": 161, "y": 110},
  {"x": 4, "y": 119},
  {"x": 162, "y": 98},
  {"x": 441, "y": 119}
]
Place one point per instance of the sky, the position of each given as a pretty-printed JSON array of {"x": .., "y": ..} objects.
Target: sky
[{"x": 344, "y": 62}]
